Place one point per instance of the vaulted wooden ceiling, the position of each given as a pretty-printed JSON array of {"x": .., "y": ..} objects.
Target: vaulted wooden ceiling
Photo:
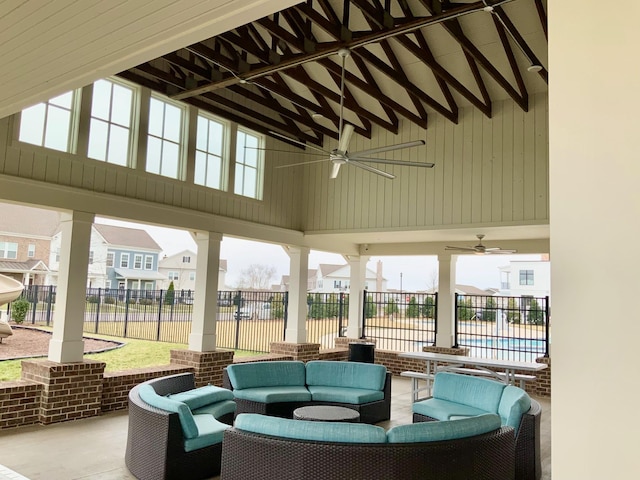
[{"x": 408, "y": 58}]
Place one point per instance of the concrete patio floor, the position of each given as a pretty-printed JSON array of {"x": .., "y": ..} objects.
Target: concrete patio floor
[{"x": 94, "y": 448}]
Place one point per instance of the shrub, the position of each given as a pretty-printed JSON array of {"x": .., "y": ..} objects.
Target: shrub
[
  {"x": 145, "y": 301},
  {"x": 93, "y": 299},
  {"x": 413, "y": 309},
  {"x": 370, "y": 309},
  {"x": 536, "y": 314},
  {"x": 170, "y": 295},
  {"x": 19, "y": 310},
  {"x": 109, "y": 300},
  {"x": 429, "y": 308}
]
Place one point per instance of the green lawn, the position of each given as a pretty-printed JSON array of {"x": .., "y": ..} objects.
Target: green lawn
[{"x": 134, "y": 354}]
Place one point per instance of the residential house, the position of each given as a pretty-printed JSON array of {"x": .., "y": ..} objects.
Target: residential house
[
  {"x": 119, "y": 257},
  {"x": 330, "y": 278},
  {"x": 526, "y": 278},
  {"x": 180, "y": 268},
  {"x": 25, "y": 242}
]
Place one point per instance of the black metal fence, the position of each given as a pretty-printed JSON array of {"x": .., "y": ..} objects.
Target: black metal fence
[
  {"x": 495, "y": 327},
  {"x": 515, "y": 328},
  {"x": 400, "y": 321}
]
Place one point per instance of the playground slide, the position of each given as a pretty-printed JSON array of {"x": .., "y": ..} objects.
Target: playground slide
[{"x": 10, "y": 289}]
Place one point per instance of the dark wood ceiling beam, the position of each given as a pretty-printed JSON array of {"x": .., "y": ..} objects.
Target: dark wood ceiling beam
[
  {"x": 520, "y": 41},
  {"x": 326, "y": 49},
  {"x": 408, "y": 86},
  {"x": 335, "y": 97},
  {"x": 132, "y": 76},
  {"x": 477, "y": 76},
  {"x": 330, "y": 27},
  {"x": 349, "y": 99},
  {"x": 455, "y": 30},
  {"x": 246, "y": 44},
  {"x": 543, "y": 17},
  {"x": 504, "y": 39}
]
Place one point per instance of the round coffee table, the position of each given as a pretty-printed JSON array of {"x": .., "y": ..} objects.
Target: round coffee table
[{"x": 326, "y": 413}]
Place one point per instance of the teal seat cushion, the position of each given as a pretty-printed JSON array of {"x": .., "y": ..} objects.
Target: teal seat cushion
[
  {"x": 366, "y": 376},
  {"x": 515, "y": 402},
  {"x": 266, "y": 374},
  {"x": 356, "y": 396},
  {"x": 475, "y": 392},
  {"x": 149, "y": 395},
  {"x": 199, "y": 397},
  {"x": 448, "y": 430},
  {"x": 306, "y": 430},
  {"x": 217, "y": 409},
  {"x": 274, "y": 394},
  {"x": 210, "y": 432},
  {"x": 445, "y": 410}
]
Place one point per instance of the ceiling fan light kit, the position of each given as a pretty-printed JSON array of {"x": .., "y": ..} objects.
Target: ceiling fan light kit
[
  {"x": 341, "y": 156},
  {"x": 481, "y": 249}
]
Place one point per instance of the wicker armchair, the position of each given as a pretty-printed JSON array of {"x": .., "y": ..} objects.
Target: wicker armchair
[
  {"x": 155, "y": 442},
  {"x": 527, "y": 456}
]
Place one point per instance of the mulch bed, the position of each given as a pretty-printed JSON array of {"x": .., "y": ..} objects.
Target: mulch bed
[{"x": 27, "y": 342}]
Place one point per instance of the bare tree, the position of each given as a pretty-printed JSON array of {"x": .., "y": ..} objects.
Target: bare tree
[
  {"x": 257, "y": 276},
  {"x": 432, "y": 280}
]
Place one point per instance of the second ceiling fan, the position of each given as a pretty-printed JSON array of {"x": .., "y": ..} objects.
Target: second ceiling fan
[
  {"x": 481, "y": 249},
  {"x": 341, "y": 156}
]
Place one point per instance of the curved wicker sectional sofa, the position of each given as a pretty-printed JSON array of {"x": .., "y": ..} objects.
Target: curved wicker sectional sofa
[
  {"x": 175, "y": 430},
  {"x": 457, "y": 396},
  {"x": 278, "y": 388},
  {"x": 260, "y": 447}
]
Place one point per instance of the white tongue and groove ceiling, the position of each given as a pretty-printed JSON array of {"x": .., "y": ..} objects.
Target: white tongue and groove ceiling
[{"x": 50, "y": 47}]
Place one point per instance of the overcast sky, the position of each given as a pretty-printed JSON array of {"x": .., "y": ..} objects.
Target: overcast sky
[{"x": 417, "y": 272}]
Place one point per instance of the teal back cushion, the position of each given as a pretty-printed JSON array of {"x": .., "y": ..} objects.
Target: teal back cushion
[
  {"x": 266, "y": 374},
  {"x": 200, "y": 397},
  {"x": 446, "y": 430},
  {"x": 473, "y": 391},
  {"x": 366, "y": 376},
  {"x": 306, "y": 430},
  {"x": 149, "y": 395},
  {"x": 514, "y": 403}
]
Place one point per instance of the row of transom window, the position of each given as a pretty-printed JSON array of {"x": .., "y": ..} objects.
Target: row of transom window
[{"x": 118, "y": 113}]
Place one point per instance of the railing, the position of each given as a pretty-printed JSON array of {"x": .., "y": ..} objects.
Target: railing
[
  {"x": 515, "y": 328},
  {"x": 400, "y": 321},
  {"x": 327, "y": 317}
]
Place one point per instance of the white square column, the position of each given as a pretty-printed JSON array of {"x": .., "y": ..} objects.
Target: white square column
[
  {"x": 205, "y": 303},
  {"x": 357, "y": 282},
  {"x": 66, "y": 344},
  {"x": 446, "y": 299},
  {"x": 296, "y": 331}
]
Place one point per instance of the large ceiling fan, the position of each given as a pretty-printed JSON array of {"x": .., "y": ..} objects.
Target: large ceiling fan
[
  {"x": 480, "y": 249},
  {"x": 341, "y": 156}
]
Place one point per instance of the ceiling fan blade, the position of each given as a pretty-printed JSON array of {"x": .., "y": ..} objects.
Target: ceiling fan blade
[
  {"x": 302, "y": 144},
  {"x": 371, "y": 169},
  {"x": 390, "y": 148},
  {"x": 501, "y": 252},
  {"x": 302, "y": 163},
  {"x": 323, "y": 154},
  {"x": 462, "y": 249},
  {"x": 335, "y": 169},
  {"x": 391, "y": 162},
  {"x": 345, "y": 138}
]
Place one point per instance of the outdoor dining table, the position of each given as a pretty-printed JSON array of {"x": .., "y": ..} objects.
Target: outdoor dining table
[{"x": 501, "y": 369}]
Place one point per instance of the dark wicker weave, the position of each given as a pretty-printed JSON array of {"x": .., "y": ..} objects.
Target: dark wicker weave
[
  {"x": 155, "y": 444},
  {"x": 372, "y": 412},
  {"x": 248, "y": 456},
  {"x": 527, "y": 457}
]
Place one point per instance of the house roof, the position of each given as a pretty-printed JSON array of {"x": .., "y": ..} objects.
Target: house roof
[
  {"x": 28, "y": 266},
  {"x": 126, "y": 237},
  {"x": 138, "y": 274},
  {"x": 223, "y": 262},
  {"x": 28, "y": 220}
]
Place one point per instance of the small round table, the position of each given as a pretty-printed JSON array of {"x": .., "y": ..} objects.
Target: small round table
[{"x": 326, "y": 413}]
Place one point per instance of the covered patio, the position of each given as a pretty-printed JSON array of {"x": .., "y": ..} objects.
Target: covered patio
[{"x": 98, "y": 444}]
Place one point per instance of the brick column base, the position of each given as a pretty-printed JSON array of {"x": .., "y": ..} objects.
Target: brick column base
[
  {"x": 207, "y": 366},
  {"x": 70, "y": 391},
  {"x": 298, "y": 351}
]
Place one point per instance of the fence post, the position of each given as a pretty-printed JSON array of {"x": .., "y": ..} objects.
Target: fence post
[
  {"x": 126, "y": 311},
  {"x": 435, "y": 313},
  {"x": 340, "y": 313},
  {"x": 364, "y": 314},
  {"x": 98, "y": 309},
  {"x": 34, "y": 300},
  {"x": 49, "y": 303},
  {"x": 546, "y": 327},
  {"x": 237, "y": 315},
  {"x": 160, "y": 316},
  {"x": 286, "y": 314},
  {"x": 455, "y": 321}
]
